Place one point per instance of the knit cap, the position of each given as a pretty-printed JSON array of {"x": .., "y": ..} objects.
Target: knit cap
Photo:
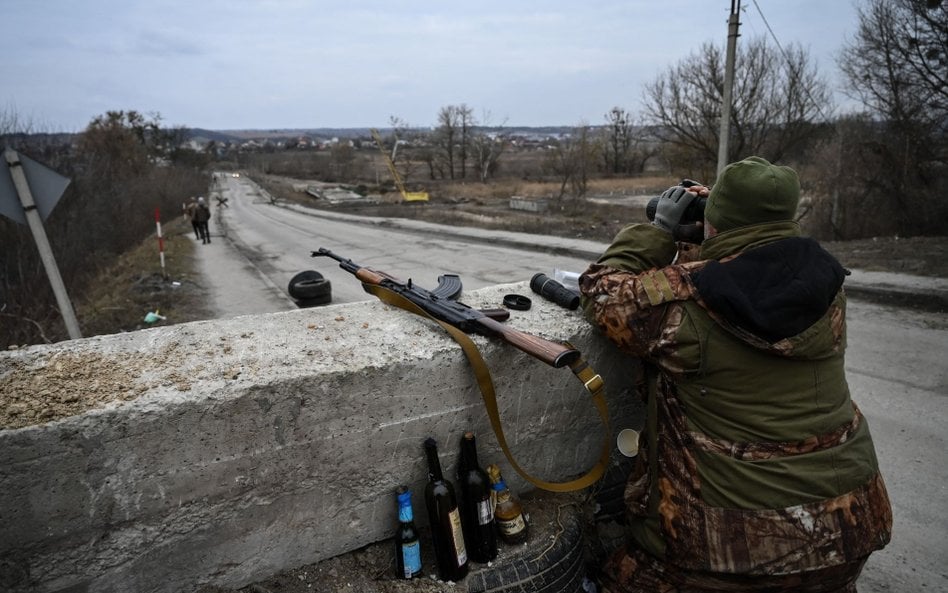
[{"x": 752, "y": 191}]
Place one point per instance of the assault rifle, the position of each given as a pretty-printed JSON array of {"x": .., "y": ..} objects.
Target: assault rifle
[
  {"x": 441, "y": 305},
  {"x": 459, "y": 319}
]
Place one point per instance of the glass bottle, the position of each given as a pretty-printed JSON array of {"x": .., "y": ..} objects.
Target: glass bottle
[
  {"x": 477, "y": 515},
  {"x": 407, "y": 544},
  {"x": 445, "y": 520},
  {"x": 508, "y": 512}
]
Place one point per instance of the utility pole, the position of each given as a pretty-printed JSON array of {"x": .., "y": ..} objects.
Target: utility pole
[{"x": 732, "y": 24}]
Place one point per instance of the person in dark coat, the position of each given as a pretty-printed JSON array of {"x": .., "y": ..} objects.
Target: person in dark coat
[
  {"x": 189, "y": 210},
  {"x": 202, "y": 214},
  {"x": 756, "y": 471}
]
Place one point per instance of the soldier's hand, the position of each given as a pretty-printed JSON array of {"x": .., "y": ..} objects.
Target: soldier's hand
[{"x": 671, "y": 207}]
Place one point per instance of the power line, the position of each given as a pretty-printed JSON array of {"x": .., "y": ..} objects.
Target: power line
[{"x": 787, "y": 57}]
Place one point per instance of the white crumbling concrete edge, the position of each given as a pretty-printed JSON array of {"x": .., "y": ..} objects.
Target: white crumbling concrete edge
[{"x": 268, "y": 442}]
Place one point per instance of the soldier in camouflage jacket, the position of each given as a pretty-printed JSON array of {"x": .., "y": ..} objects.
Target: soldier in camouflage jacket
[{"x": 756, "y": 471}]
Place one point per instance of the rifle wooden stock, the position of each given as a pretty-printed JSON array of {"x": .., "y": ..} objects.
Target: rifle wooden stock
[
  {"x": 554, "y": 354},
  {"x": 369, "y": 276}
]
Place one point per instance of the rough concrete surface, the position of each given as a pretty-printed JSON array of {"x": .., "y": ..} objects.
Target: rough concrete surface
[{"x": 240, "y": 447}]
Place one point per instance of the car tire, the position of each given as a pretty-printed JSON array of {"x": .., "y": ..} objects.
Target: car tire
[
  {"x": 314, "y": 302},
  {"x": 309, "y": 285},
  {"x": 548, "y": 563}
]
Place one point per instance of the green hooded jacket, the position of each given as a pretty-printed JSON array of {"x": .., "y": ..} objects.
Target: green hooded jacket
[{"x": 754, "y": 459}]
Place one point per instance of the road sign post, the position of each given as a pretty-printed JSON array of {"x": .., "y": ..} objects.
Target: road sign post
[{"x": 35, "y": 222}]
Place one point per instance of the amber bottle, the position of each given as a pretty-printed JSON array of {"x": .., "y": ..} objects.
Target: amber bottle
[{"x": 508, "y": 512}]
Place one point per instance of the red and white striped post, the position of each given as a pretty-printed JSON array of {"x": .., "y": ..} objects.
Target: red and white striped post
[{"x": 161, "y": 244}]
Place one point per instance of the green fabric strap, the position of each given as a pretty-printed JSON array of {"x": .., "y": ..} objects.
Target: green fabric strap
[{"x": 581, "y": 369}]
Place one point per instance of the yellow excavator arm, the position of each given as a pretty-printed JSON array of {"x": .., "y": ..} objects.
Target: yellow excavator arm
[{"x": 406, "y": 195}]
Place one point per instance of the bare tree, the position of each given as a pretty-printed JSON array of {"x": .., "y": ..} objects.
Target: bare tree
[
  {"x": 625, "y": 146},
  {"x": 342, "y": 157},
  {"x": 487, "y": 148},
  {"x": 618, "y": 140},
  {"x": 446, "y": 137},
  {"x": 572, "y": 161},
  {"x": 897, "y": 66},
  {"x": 467, "y": 123},
  {"x": 777, "y": 98}
]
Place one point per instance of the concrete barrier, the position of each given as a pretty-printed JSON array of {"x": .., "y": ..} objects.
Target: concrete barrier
[{"x": 225, "y": 451}]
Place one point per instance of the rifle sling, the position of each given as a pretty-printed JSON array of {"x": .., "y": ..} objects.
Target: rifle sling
[{"x": 581, "y": 369}]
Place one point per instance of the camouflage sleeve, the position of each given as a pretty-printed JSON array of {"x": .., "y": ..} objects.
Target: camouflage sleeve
[
  {"x": 614, "y": 290},
  {"x": 639, "y": 247}
]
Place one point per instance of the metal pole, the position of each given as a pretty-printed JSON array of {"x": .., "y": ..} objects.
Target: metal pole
[
  {"x": 725, "y": 132},
  {"x": 161, "y": 244},
  {"x": 42, "y": 242}
]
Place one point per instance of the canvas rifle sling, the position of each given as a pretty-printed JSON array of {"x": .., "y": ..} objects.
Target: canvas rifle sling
[{"x": 581, "y": 369}]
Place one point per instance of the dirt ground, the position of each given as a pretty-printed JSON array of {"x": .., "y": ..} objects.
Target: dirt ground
[{"x": 372, "y": 569}]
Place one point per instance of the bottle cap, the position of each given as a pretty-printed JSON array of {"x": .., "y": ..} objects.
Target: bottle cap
[
  {"x": 404, "y": 495},
  {"x": 517, "y": 302}
]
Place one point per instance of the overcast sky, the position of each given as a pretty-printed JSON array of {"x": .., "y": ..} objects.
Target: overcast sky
[{"x": 266, "y": 64}]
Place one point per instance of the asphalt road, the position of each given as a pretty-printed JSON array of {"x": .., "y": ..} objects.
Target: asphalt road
[
  {"x": 278, "y": 241},
  {"x": 895, "y": 363}
]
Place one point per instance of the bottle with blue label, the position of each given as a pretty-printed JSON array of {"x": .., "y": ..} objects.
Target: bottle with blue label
[{"x": 407, "y": 544}]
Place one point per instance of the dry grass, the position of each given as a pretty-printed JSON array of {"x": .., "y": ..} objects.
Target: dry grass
[
  {"x": 504, "y": 189},
  {"x": 125, "y": 292}
]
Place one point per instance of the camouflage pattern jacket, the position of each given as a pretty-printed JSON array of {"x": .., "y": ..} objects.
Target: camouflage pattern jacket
[{"x": 754, "y": 459}]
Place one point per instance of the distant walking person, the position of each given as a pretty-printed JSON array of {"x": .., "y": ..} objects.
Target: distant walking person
[
  {"x": 190, "y": 209},
  {"x": 202, "y": 214}
]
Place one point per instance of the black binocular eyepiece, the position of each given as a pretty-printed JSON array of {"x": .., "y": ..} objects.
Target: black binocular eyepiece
[{"x": 550, "y": 289}]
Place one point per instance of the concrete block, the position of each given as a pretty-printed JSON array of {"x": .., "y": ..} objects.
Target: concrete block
[{"x": 226, "y": 451}]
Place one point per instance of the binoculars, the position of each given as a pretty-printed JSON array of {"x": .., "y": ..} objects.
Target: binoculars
[
  {"x": 550, "y": 289},
  {"x": 694, "y": 213}
]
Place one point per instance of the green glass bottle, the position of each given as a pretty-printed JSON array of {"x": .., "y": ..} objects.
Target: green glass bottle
[
  {"x": 477, "y": 513},
  {"x": 445, "y": 520}
]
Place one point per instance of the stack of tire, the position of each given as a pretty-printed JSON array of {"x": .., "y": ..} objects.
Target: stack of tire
[
  {"x": 552, "y": 560},
  {"x": 310, "y": 289}
]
